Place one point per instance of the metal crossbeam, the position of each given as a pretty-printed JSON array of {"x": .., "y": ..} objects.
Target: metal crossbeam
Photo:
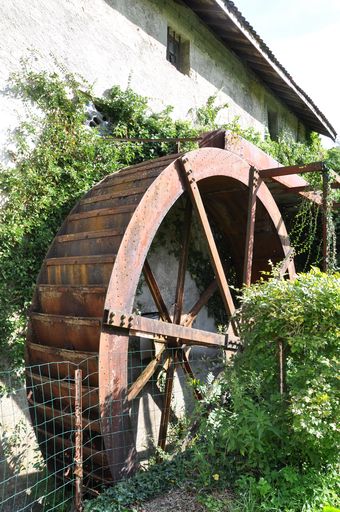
[
  {"x": 149, "y": 328},
  {"x": 292, "y": 169}
]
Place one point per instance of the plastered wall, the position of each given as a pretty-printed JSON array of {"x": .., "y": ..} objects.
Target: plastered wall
[{"x": 124, "y": 42}]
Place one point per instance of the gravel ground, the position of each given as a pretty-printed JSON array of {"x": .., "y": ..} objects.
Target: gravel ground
[
  {"x": 180, "y": 501},
  {"x": 177, "y": 499}
]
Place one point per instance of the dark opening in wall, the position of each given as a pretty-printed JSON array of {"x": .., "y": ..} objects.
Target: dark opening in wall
[
  {"x": 178, "y": 51},
  {"x": 273, "y": 125}
]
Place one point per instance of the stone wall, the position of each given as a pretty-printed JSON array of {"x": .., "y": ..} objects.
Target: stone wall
[{"x": 124, "y": 42}]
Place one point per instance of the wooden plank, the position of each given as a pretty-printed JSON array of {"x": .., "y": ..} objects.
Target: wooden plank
[
  {"x": 91, "y": 246},
  {"x": 100, "y": 212},
  {"x": 149, "y": 328},
  {"x": 136, "y": 173},
  {"x": 81, "y": 334},
  {"x": 134, "y": 183},
  {"x": 59, "y": 362},
  {"x": 65, "y": 319},
  {"x": 63, "y": 418},
  {"x": 156, "y": 293},
  {"x": 67, "y": 445},
  {"x": 86, "y": 235},
  {"x": 145, "y": 165},
  {"x": 215, "y": 258},
  {"x": 57, "y": 355},
  {"x": 60, "y": 390},
  {"x": 80, "y": 270},
  {"x": 72, "y": 300},
  {"x": 80, "y": 260},
  {"x": 113, "y": 195},
  {"x": 75, "y": 288}
]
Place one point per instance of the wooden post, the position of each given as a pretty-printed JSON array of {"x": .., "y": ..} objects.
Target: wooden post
[
  {"x": 325, "y": 211},
  {"x": 78, "y": 458},
  {"x": 249, "y": 242}
]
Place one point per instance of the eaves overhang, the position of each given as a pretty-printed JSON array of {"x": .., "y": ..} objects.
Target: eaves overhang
[{"x": 227, "y": 23}]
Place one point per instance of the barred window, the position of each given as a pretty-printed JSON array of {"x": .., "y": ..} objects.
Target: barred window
[{"x": 178, "y": 51}]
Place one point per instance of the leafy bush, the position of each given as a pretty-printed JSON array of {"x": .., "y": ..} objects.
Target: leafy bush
[
  {"x": 280, "y": 448},
  {"x": 57, "y": 158}
]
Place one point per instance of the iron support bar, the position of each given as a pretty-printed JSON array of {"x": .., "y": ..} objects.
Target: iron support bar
[
  {"x": 183, "y": 262},
  {"x": 155, "y": 292},
  {"x": 292, "y": 169},
  {"x": 196, "y": 199},
  {"x": 202, "y": 301},
  {"x": 150, "y": 328}
]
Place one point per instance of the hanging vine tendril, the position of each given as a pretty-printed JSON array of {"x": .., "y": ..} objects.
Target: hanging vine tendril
[
  {"x": 304, "y": 229},
  {"x": 304, "y": 234}
]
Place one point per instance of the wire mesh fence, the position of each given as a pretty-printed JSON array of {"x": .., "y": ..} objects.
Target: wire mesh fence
[{"x": 58, "y": 445}]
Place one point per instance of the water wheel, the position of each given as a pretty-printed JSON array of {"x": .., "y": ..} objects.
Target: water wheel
[{"x": 83, "y": 308}]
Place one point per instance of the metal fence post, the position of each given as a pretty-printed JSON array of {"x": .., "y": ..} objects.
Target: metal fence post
[
  {"x": 325, "y": 213},
  {"x": 78, "y": 458}
]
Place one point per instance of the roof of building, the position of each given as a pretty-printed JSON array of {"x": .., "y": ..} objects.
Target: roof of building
[{"x": 230, "y": 26}]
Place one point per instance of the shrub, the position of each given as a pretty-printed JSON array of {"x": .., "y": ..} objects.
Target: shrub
[{"x": 285, "y": 446}]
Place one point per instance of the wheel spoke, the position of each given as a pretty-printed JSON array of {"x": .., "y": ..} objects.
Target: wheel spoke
[
  {"x": 183, "y": 261},
  {"x": 155, "y": 292},
  {"x": 214, "y": 256},
  {"x": 163, "y": 428},
  {"x": 202, "y": 301},
  {"x": 146, "y": 375},
  {"x": 188, "y": 370}
]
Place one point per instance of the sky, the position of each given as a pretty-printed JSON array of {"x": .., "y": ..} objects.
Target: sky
[{"x": 304, "y": 35}]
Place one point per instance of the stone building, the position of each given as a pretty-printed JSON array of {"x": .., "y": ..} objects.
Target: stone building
[{"x": 176, "y": 52}]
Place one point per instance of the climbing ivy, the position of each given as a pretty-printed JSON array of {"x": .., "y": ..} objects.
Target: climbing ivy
[{"x": 56, "y": 157}]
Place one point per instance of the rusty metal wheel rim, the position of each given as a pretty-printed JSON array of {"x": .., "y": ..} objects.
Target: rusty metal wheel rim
[{"x": 168, "y": 186}]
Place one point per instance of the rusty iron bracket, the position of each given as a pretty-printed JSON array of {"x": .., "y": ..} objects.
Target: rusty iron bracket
[{"x": 162, "y": 332}]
